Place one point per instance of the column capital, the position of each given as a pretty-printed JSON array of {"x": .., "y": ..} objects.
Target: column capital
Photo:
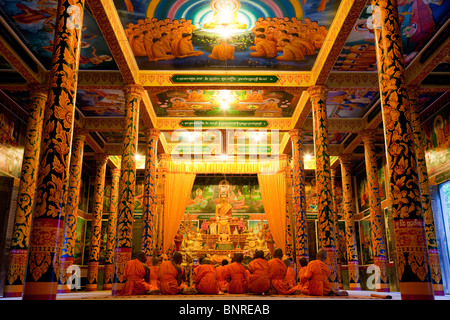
[
  {"x": 101, "y": 158},
  {"x": 135, "y": 89},
  {"x": 296, "y": 134},
  {"x": 38, "y": 90},
  {"x": 318, "y": 92},
  {"x": 368, "y": 135},
  {"x": 115, "y": 171},
  {"x": 346, "y": 161},
  {"x": 152, "y": 133},
  {"x": 80, "y": 133}
]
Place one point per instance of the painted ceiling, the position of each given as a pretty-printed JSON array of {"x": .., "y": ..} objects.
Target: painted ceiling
[{"x": 243, "y": 97}]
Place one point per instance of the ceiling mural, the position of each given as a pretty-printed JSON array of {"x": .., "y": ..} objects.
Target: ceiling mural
[
  {"x": 34, "y": 22},
  {"x": 419, "y": 22},
  {"x": 101, "y": 103},
  {"x": 230, "y": 34},
  {"x": 225, "y": 103}
]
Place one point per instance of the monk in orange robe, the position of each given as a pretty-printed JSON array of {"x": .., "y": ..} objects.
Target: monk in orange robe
[
  {"x": 259, "y": 278},
  {"x": 206, "y": 278},
  {"x": 137, "y": 275},
  {"x": 222, "y": 51},
  {"x": 183, "y": 47},
  {"x": 279, "y": 269},
  {"x": 159, "y": 53},
  {"x": 236, "y": 272},
  {"x": 221, "y": 279},
  {"x": 154, "y": 275},
  {"x": 264, "y": 48},
  {"x": 302, "y": 280},
  {"x": 317, "y": 274},
  {"x": 290, "y": 53},
  {"x": 290, "y": 273},
  {"x": 171, "y": 275}
]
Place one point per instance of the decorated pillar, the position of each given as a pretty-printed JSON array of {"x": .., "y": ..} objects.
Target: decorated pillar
[
  {"x": 336, "y": 229},
  {"x": 160, "y": 201},
  {"x": 127, "y": 185},
  {"x": 96, "y": 224},
  {"x": 404, "y": 186},
  {"x": 149, "y": 199},
  {"x": 41, "y": 281},
  {"x": 419, "y": 144},
  {"x": 376, "y": 214},
  {"x": 326, "y": 231},
  {"x": 289, "y": 244},
  {"x": 73, "y": 199},
  {"x": 111, "y": 230},
  {"x": 352, "y": 251},
  {"x": 17, "y": 259},
  {"x": 299, "y": 199}
]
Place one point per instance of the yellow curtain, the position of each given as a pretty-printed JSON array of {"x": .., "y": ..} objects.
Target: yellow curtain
[
  {"x": 177, "y": 188},
  {"x": 273, "y": 192}
]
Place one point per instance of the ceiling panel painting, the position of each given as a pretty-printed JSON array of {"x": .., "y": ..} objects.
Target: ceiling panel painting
[
  {"x": 101, "y": 103},
  {"x": 218, "y": 34},
  {"x": 419, "y": 22},
  {"x": 225, "y": 103},
  {"x": 34, "y": 22}
]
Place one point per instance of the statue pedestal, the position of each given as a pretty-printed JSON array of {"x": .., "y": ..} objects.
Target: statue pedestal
[{"x": 225, "y": 246}]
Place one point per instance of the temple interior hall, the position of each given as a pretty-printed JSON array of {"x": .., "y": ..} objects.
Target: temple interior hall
[{"x": 210, "y": 128}]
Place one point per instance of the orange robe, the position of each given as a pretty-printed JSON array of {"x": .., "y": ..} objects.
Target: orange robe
[
  {"x": 302, "y": 281},
  {"x": 265, "y": 49},
  {"x": 154, "y": 278},
  {"x": 135, "y": 274},
  {"x": 238, "y": 282},
  {"x": 222, "y": 52},
  {"x": 168, "y": 279},
  {"x": 206, "y": 279},
  {"x": 259, "y": 278},
  {"x": 291, "y": 53},
  {"x": 279, "y": 269},
  {"x": 290, "y": 276},
  {"x": 317, "y": 273},
  {"x": 221, "y": 279}
]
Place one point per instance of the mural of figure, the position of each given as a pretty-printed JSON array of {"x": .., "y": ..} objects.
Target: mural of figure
[{"x": 222, "y": 51}]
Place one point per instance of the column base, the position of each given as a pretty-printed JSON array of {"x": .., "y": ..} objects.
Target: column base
[{"x": 13, "y": 291}]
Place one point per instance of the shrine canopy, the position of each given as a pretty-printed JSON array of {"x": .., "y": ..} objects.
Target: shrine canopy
[{"x": 180, "y": 176}]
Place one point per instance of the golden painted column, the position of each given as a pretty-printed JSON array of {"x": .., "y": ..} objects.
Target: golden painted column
[
  {"x": 17, "y": 259},
  {"x": 326, "y": 231},
  {"x": 160, "y": 201},
  {"x": 419, "y": 144},
  {"x": 149, "y": 199},
  {"x": 41, "y": 281},
  {"x": 73, "y": 199},
  {"x": 299, "y": 199},
  {"x": 354, "y": 281},
  {"x": 96, "y": 224},
  {"x": 289, "y": 244},
  {"x": 111, "y": 230},
  {"x": 127, "y": 185},
  {"x": 336, "y": 219},
  {"x": 376, "y": 214},
  {"x": 404, "y": 186}
]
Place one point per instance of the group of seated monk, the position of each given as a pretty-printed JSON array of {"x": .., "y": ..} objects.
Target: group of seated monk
[
  {"x": 161, "y": 39},
  {"x": 293, "y": 37},
  {"x": 259, "y": 276}
]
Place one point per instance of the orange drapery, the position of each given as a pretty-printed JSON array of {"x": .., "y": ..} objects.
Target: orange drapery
[
  {"x": 177, "y": 188},
  {"x": 273, "y": 192}
]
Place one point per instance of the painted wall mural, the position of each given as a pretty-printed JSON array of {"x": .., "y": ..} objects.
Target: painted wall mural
[
  {"x": 217, "y": 34},
  {"x": 34, "y": 22},
  {"x": 243, "y": 194},
  {"x": 210, "y": 103},
  {"x": 419, "y": 22},
  {"x": 362, "y": 187},
  {"x": 437, "y": 133},
  {"x": 101, "y": 103},
  {"x": 12, "y": 132}
]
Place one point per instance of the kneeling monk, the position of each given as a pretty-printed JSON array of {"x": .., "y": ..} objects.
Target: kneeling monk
[
  {"x": 206, "y": 278},
  {"x": 259, "y": 278},
  {"x": 137, "y": 275},
  {"x": 279, "y": 269},
  {"x": 237, "y": 273},
  {"x": 171, "y": 275}
]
